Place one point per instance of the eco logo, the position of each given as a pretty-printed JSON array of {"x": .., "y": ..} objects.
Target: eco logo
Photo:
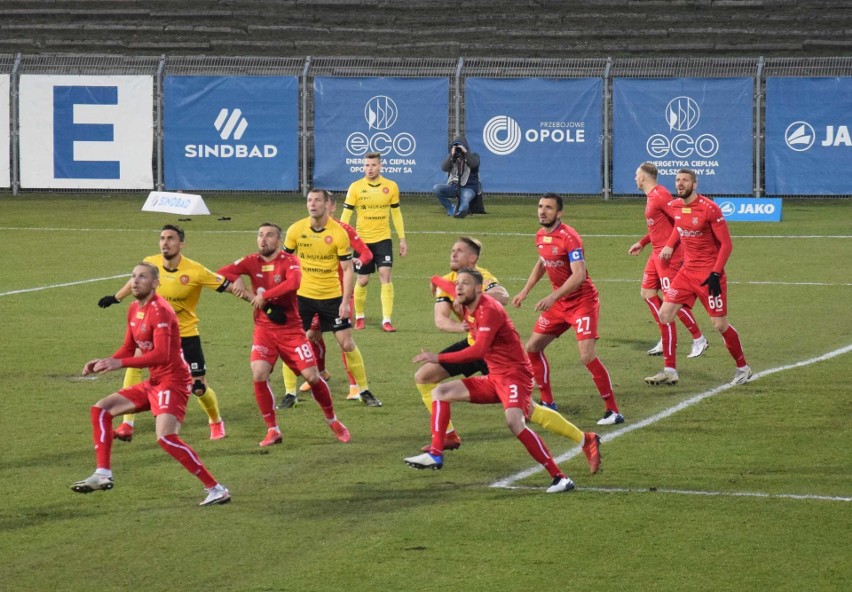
[
  {"x": 381, "y": 114},
  {"x": 682, "y": 114}
]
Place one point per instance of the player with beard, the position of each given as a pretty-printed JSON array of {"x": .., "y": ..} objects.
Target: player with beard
[
  {"x": 702, "y": 230},
  {"x": 509, "y": 381},
  {"x": 572, "y": 304}
]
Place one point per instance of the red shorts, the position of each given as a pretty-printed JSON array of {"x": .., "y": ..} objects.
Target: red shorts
[
  {"x": 582, "y": 317},
  {"x": 160, "y": 398},
  {"x": 513, "y": 391},
  {"x": 659, "y": 273},
  {"x": 686, "y": 287},
  {"x": 291, "y": 346}
]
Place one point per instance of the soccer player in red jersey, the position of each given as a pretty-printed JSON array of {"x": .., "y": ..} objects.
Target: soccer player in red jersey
[
  {"x": 659, "y": 273},
  {"x": 362, "y": 255},
  {"x": 510, "y": 380},
  {"x": 275, "y": 277},
  {"x": 702, "y": 230},
  {"x": 152, "y": 327},
  {"x": 573, "y": 304}
]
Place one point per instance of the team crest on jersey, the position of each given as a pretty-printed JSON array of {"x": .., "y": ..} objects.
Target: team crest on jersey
[
  {"x": 328, "y": 240},
  {"x": 184, "y": 279},
  {"x": 695, "y": 220},
  {"x": 385, "y": 190},
  {"x": 276, "y": 278},
  {"x": 554, "y": 250}
]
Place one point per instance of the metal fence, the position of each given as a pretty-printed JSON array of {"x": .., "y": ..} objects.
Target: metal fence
[{"x": 456, "y": 69}]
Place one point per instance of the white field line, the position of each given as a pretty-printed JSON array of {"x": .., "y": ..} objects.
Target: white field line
[
  {"x": 796, "y": 496},
  {"x": 441, "y": 232},
  {"x": 509, "y": 481},
  {"x": 410, "y": 277},
  {"x": 65, "y": 285}
]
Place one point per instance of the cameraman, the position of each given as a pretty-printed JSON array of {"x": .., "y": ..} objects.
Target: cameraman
[{"x": 462, "y": 184}]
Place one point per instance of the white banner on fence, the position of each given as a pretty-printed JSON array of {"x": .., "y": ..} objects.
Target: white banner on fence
[
  {"x": 4, "y": 131},
  {"x": 86, "y": 132}
]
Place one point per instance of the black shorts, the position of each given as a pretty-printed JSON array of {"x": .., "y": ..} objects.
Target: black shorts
[
  {"x": 327, "y": 311},
  {"x": 382, "y": 256},
  {"x": 193, "y": 355},
  {"x": 466, "y": 369}
]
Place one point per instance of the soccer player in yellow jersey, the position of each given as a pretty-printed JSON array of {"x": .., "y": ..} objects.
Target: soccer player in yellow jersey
[
  {"x": 322, "y": 246},
  {"x": 448, "y": 317},
  {"x": 375, "y": 200},
  {"x": 181, "y": 282}
]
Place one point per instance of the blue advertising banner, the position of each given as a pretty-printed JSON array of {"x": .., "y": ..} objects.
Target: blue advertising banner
[
  {"x": 231, "y": 132},
  {"x": 536, "y": 135},
  {"x": 404, "y": 119},
  {"x": 808, "y": 143},
  {"x": 750, "y": 209},
  {"x": 703, "y": 124}
]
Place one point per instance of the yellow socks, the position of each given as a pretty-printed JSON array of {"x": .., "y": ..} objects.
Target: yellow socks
[
  {"x": 552, "y": 421},
  {"x": 360, "y": 295},
  {"x": 355, "y": 363},
  {"x": 289, "y": 380},
  {"x": 131, "y": 376},
  {"x": 387, "y": 301},
  {"x": 210, "y": 403}
]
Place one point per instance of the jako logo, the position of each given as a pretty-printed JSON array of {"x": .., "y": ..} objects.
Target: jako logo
[
  {"x": 225, "y": 125},
  {"x": 381, "y": 114},
  {"x": 682, "y": 114},
  {"x": 231, "y": 125},
  {"x": 799, "y": 136},
  {"x": 502, "y": 135},
  {"x": 727, "y": 208}
]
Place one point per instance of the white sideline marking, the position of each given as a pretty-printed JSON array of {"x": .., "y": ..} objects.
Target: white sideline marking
[
  {"x": 511, "y": 479},
  {"x": 65, "y": 285},
  {"x": 444, "y": 232},
  {"x": 797, "y": 496}
]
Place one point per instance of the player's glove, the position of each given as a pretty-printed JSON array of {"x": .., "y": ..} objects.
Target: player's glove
[
  {"x": 276, "y": 314},
  {"x": 108, "y": 301},
  {"x": 713, "y": 285}
]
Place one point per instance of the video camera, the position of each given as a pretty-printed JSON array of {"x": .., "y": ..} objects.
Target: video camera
[{"x": 456, "y": 151}]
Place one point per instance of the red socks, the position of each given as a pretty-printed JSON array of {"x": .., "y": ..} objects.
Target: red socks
[
  {"x": 185, "y": 455},
  {"x": 541, "y": 371},
  {"x": 266, "y": 403},
  {"x": 102, "y": 435},
  {"x": 440, "y": 421},
  {"x": 604, "y": 385},
  {"x": 735, "y": 348},
  {"x": 667, "y": 332},
  {"x": 323, "y": 396},
  {"x": 538, "y": 450}
]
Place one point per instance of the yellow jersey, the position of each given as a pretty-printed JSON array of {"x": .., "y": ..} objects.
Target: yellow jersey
[
  {"x": 372, "y": 202},
  {"x": 320, "y": 252},
  {"x": 181, "y": 288}
]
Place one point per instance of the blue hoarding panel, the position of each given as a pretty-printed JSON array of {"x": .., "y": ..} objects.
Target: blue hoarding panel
[
  {"x": 750, "y": 209},
  {"x": 808, "y": 143},
  {"x": 235, "y": 132},
  {"x": 536, "y": 135},
  {"x": 704, "y": 124},
  {"x": 404, "y": 119}
]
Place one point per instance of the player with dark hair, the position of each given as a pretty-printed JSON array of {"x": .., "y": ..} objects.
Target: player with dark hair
[
  {"x": 324, "y": 248},
  {"x": 659, "y": 273},
  {"x": 181, "y": 283},
  {"x": 278, "y": 333},
  {"x": 361, "y": 256},
  {"x": 572, "y": 304},
  {"x": 152, "y": 328},
  {"x": 375, "y": 200},
  {"x": 510, "y": 380},
  {"x": 702, "y": 230}
]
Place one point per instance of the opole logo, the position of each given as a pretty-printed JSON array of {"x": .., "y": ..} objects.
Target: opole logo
[{"x": 501, "y": 135}]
